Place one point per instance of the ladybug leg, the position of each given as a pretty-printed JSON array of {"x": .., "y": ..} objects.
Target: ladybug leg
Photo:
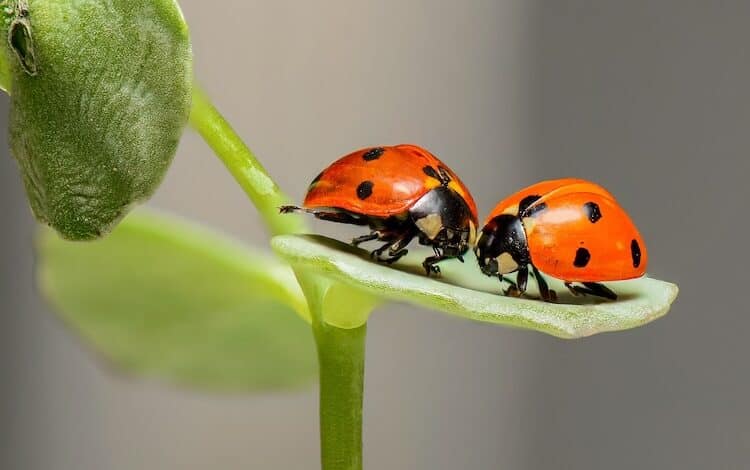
[
  {"x": 574, "y": 289},
  {"x": 429, "y": 263},
  {"x": 365, "y": 238},
  {"x": 395, "y": 257},
  {"x": 512, "y": 290},
  {"x": 376, "y": 254},
  {"x": 522, "y": 279},
  {"x": 545, "y": 292},
  {"x": 508, "y": 280},
  {"x": 396, "y": 249},
  {"x": 288, "y": 209},
  {"x": 601, "y": 290},
  {"x": 592, "y": 288}
]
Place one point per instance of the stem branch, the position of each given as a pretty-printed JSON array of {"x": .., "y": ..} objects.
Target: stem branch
[
  {"x": 243, "y": 165},
  {"x": 341, "y": 355}
]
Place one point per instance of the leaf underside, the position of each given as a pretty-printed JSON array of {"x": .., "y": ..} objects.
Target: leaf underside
[
  {"x": 165, "y": 299},
  {"x": 464, "y": 291}
]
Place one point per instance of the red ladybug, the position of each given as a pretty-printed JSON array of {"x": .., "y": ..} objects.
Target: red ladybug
[
  {"x": 569, "y": 228},
  {"x": 400, "y": 192}
]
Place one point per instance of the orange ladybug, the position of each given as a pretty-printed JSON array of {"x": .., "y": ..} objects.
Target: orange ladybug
[
  {"x": 400, "y": 192},
  {"x": 569, "y": 228}
]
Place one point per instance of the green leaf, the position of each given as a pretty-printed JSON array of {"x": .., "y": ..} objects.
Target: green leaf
[
  {"x": 168, "y": 300},
  {"x": 5, "y": 78},
  {"x": 465, "y": 292},
  {"x": 100, "y": 96}
]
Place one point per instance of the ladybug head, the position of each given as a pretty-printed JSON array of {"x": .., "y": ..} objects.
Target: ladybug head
[
  {"x": 502, "y": 247},
  {"x": 445, "y": 221},
  {"x": 454, "y": 243}
]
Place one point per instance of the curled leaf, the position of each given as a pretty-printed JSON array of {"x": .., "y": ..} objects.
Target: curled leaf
[
  {"x": 19, "y": 38},
  {"x": 465, "y": 292},
  {"x": 100, "y": 96},
  {"x": 169, "y": 300}
]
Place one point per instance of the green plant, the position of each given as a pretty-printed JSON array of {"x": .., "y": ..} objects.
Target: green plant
[{"x": 94, "y": 124}]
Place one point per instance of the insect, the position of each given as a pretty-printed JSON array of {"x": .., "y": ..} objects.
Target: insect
[
  {"x": 400, "y": 192},
  {"x": 569, "y": 228}
]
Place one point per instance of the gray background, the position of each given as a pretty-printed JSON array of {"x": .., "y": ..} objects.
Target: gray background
[{"x": 649, "y": 98}]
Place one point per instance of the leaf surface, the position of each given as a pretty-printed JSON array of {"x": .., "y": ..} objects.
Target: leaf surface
[
  {"x": 464, "y": 291},
  {"x": 169, "y": 300}
]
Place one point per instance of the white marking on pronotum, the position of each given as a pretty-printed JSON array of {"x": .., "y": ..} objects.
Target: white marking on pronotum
[
  {"x": 472, "y": 233},
  {"x": 430, "y": 225},
  {"x": 506, "y": 263}
]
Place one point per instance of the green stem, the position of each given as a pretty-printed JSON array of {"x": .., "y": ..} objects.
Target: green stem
[
  {"x": 341, "y": 352},
  {"x": 341, "y": 356},
  {"x": 242, "y": 164}
]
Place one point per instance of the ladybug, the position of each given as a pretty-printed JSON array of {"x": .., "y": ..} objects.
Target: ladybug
[
  {"x": 569, "y": 228},
  {"x": 400, "y": 192}
]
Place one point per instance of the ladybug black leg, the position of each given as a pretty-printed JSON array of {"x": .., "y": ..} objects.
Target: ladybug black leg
[
  {"x": 289, "y": 209},
  {"x": 573, "y": 289},
  {"x": 429, "y": 263},
  {"x": 394, "y": 256},
  {"x": 376, "y": 254},
  {"x": 522, "y": 279},
  {"x": 365, "y": 238},
  {"x": 601, "y": 290},
  {"x": 512, "y": 286},
  {"x": 592, "y": 288},
  {"x": 545, "y": 292},
  {"x": 396, "y": 250}
]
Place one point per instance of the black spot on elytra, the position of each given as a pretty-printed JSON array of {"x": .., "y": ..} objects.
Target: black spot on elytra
[
  {"x": 582, "y": 258},
  {"x": 526, "y": 202},
  {"x": 525, "y": 209},
  {"x": 591, "y": 209},
  {"x": 535, "y": 209},
  {"x": 373, "y": 154},
  {"x": 431, "y": 172},
  {"x": 364, "y": 190},
  {"x": 635, "y": 252}
]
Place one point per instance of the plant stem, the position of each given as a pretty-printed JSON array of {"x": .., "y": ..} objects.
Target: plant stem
[
  {"x": 341, "y": 356},
  {"x": 341, "y": 352},
  {"x": 242, "y": 164}
]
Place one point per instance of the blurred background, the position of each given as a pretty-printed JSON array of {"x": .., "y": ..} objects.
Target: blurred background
[{"x": 648, "y": 98}]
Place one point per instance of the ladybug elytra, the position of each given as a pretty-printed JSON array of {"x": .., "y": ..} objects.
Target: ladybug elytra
[
  {"x": 401, "y": 192},
  {"x": 570, "y": 229}
]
